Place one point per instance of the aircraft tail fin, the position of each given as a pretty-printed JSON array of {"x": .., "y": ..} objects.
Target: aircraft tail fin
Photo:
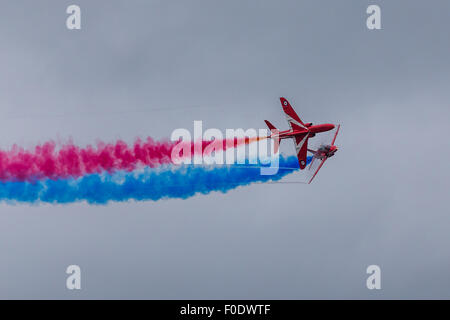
[
  {"x": 271, "y": 126},
  {"x": 277, "y": 139}
]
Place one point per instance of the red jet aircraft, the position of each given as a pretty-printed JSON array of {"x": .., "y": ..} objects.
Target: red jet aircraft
[
  {"x": 323, "y": 153},
  {"x": 299, "y": 133}
]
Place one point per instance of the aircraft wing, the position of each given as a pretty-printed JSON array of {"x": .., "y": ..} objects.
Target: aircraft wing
[
  {"x": 320, "y": 166},
  {"x": 294, "y": 121},
  {"x": 312, "y": 162},
  {"x": 335, "y": 135},
  {"x": 301, "y": 148}
]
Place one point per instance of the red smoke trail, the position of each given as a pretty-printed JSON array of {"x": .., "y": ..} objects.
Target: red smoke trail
[
  {"x": 49, "y": 161},
  {"x": 201, "y": 147}
]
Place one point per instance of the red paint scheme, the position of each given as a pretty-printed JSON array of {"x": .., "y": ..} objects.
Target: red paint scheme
[
  {"x": 299, "y": 131},
  {"x": 321, "y": 128},
  {"x": 323, "y": 153}
]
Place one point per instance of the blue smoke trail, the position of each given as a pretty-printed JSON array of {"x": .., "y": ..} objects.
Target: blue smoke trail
[{"x": 150, "y": 184}]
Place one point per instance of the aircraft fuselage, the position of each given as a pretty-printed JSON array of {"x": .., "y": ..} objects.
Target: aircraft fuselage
[
  {"x": 326, "y": 151},
  {"x": 311, "y": 129}
]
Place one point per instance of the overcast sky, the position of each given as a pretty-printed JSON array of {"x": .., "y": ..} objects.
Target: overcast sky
[{"x": 145, "y": 68}]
